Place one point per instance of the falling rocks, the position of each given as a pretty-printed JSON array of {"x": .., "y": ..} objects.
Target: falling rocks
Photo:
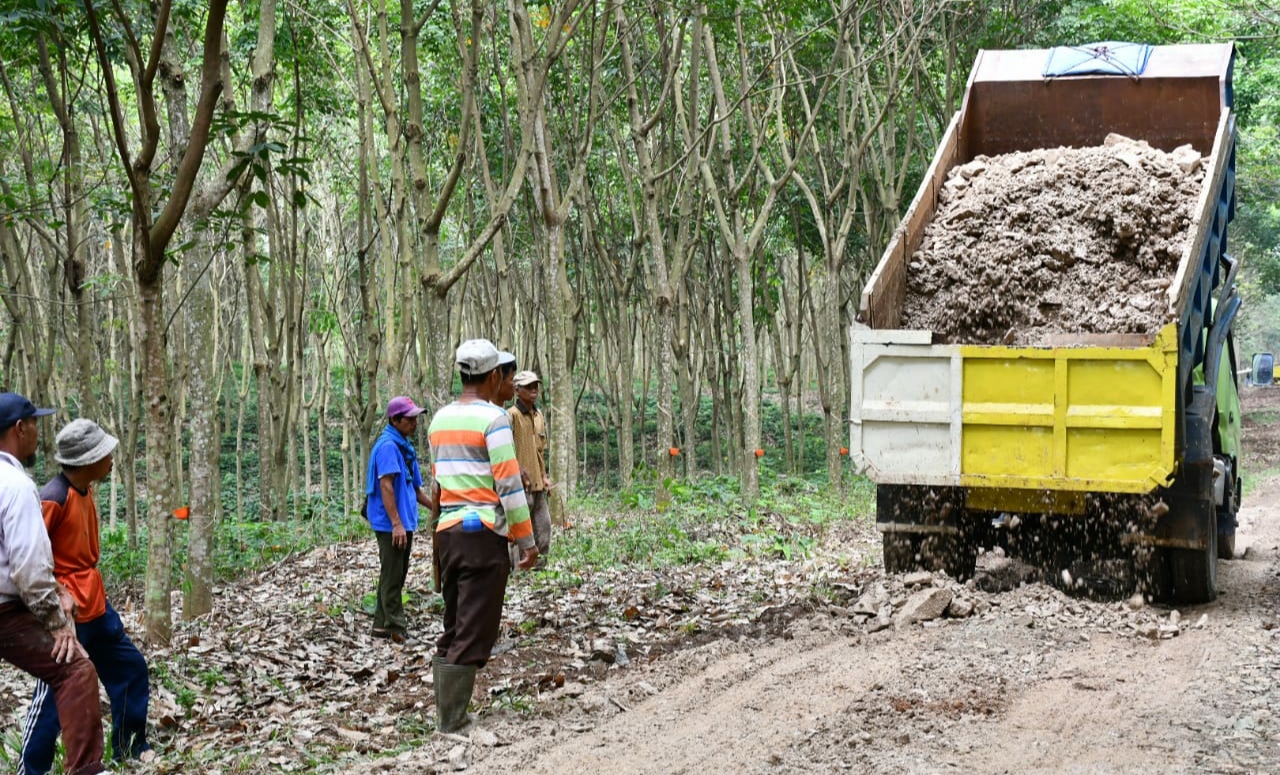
[
  {"x": 1001, "y": 574},
  {"x": 925, "y": 605}
]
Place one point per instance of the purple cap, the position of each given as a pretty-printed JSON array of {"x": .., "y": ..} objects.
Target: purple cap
[{"x": 403, "y": 406}]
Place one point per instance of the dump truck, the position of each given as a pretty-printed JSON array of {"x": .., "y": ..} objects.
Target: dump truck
[{"x": 1124, "y": 445}]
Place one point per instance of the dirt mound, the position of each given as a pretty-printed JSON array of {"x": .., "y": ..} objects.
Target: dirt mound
[{"x": 1053, "y": 241}]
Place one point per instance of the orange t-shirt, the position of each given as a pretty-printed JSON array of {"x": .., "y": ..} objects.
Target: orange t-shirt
[{"x": 71, "y": 517}]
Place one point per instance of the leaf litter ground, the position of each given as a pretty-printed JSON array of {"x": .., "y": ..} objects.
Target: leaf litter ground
[{"x": 284, "y": 675}]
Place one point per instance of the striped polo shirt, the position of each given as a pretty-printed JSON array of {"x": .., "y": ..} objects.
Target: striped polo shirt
[{"x": 473, "y": 457}]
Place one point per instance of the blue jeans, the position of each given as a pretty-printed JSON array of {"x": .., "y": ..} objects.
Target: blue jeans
[{"x": 123, "y": 672}]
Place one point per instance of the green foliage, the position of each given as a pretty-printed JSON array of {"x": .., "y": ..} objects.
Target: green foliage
[
  {"x": 705, "y": 522},
  {"x": 516, "y": 702},
  {"x": 239, "y": 546},
  {"x": 11, "y": 742},
  {"x": 600, "y": 441}
]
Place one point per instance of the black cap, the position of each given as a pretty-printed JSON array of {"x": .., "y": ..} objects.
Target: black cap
[{"x": 15, "y": 407}]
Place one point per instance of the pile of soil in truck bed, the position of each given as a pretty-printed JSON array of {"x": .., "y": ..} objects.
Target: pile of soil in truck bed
[{"x": 1033, "y": 244}]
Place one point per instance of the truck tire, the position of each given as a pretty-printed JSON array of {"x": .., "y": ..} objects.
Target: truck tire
[
  {"x": 901, "y": 552},
  {"x": 1189, "y": 575},
  {"x": 1227, "y": 516},
  {"x": 1227, "y": 547},
  {"x": 925, "y": 530}
]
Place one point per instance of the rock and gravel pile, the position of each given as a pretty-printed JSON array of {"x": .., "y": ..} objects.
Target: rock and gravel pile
[
  {"x": 1003, "y": 588},
  {"x": 1027, "y": 245}
]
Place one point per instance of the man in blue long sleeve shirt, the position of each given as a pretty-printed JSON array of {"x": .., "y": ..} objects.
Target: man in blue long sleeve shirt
[{"x": 394, "y": 491}]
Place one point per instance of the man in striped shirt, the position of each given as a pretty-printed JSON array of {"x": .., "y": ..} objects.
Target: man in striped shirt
[{"x": 482, "y": 508}]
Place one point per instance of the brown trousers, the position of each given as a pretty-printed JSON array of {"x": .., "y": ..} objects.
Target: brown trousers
[
  {"x": 27, "y": 645},
  {"x": 473, "y": 580}
]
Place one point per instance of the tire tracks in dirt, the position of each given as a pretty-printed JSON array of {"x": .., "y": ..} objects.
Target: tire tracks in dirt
[{"x": 983, "y": 695}]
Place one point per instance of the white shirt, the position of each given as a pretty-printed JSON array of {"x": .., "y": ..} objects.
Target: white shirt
[{"x": 26, "y": 558}]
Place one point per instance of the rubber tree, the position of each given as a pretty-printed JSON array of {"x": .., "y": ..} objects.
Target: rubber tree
[
  {"x": 555, "y": 181},
  {"x": 154, "y": 223},
  {"x": 203, "y": 369}
]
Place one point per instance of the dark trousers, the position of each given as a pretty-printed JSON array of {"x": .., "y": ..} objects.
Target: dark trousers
[
  {"x": 540, "y": 514},
  {"x": 388, "y": 610},
  {"x": 27, "y": 645},
  {"x": 474, "y": 567},
  {"x": 123, "y": 672}
]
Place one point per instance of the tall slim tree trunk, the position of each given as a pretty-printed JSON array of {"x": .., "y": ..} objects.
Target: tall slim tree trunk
[
  {"x": 204, "y": 381},
  {"x": 162, "y": 496},
  {"x": 750, "y": 471}
]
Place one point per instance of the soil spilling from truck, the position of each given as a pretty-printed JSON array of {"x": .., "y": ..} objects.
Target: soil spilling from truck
[{"x": 1030, "y": 245}]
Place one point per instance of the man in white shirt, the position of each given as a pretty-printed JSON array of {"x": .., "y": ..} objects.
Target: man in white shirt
[{"x": 37, "y": 631}]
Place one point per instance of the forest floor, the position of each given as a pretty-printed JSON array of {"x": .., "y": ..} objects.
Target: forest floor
[{"x": 812, "y": 664}]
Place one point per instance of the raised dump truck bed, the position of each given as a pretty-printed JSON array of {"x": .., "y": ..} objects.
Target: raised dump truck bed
[{"x": 956, "y": 433}]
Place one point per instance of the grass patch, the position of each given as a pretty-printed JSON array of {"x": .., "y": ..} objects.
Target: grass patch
[
  {"x": 1252, "y": 480},
  {"x": 705, "y": 522},
  {"x": 1263, "y": 416}
]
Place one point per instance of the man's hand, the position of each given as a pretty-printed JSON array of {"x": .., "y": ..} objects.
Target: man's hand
[
  {"x": 528, "y": 559},
  {"x": 68, "y": 603},
  {"x": 547, "y": 484},
  {"x": 65, "y": 645},
  {"x": 387, "y": 489}
]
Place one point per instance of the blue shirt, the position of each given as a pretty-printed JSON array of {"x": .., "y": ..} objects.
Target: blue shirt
[{"x": 386, "y": 459}]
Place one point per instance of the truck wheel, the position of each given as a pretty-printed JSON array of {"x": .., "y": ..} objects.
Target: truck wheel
[
  {"x": 1227, "y": 516},
  {"x": 957, "y": 554},
  {"x": 1188, "y": 575},
  {"x": 901, "y": 552},
  {"x": 1227, "y": 547}
]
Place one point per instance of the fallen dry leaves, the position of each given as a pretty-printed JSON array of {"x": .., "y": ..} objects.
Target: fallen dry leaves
[{"x": 284, "y": 675}]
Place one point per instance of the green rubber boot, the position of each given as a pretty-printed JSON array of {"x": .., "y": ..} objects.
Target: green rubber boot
[{"x": 454, "y": 684}]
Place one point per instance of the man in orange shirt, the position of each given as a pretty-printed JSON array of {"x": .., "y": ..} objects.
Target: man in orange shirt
[{"x": 71, "y": 517}]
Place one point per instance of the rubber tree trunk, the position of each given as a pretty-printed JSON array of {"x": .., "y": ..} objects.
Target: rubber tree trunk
[{"x": 161, "y": 478}]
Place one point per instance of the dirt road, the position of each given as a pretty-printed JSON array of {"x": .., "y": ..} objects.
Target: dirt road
[
  {"x": 1034, "y": 682},
  {"x": 1039, "y": 684}
]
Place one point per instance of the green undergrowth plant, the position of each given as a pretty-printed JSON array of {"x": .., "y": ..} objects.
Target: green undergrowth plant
[
  {"x": 11, "y": 741},
  {"x": 702, "y": 521},
  {"x": 240, "y": 546}
]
